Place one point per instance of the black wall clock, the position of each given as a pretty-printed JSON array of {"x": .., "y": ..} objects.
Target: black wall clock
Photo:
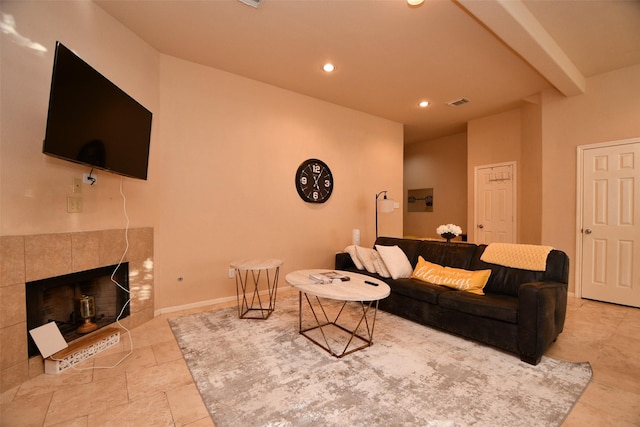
[{"x": 314, "y": 181}]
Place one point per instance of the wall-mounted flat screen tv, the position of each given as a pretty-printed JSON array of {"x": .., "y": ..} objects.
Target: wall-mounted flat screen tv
[{"x": 93, "y": 122}]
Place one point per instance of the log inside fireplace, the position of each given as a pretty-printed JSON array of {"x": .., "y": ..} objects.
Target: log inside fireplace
[{"x": 55, "y": 299}]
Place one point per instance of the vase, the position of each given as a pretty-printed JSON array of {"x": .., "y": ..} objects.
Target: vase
[{"x": 448, "y": 236}]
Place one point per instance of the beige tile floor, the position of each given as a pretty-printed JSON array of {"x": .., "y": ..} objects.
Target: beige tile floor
[{"x": 153, "y": 387}]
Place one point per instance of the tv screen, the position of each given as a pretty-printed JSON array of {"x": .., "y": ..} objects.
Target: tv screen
[{"x": 93, "y": 122}]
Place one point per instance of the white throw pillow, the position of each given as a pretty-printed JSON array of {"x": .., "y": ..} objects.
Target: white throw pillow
[
  {"x": 351, "y": 250},
  {"x": 366, "y": 256},
  {"x": 380, "y": 266},
  {"x": 396, "y": 261}
]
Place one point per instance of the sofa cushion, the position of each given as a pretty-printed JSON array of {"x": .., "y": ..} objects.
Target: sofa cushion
[
  {"x": 396, "y": 261},
  {"x": 499, "y": 307},
  {"x": 456, "y": 255},
  {"x": 418, "y": 290}
]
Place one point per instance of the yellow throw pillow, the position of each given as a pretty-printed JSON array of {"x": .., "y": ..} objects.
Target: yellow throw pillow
[{"x": 464, "y": 280}]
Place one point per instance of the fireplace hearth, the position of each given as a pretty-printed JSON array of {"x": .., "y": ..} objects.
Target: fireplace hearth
[{"x": 62, "y": 299}]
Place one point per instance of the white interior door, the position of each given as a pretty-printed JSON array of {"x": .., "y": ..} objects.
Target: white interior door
[
  {"x": 610, "y": 232},
  {"x": 495, "y": 203}
]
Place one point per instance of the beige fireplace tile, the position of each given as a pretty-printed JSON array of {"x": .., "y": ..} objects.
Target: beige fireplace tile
[
  {"x": 85, "y": 249},
  {"x": 13, "y": 376},
  {"x": 112, "y": 245},
  {"x": 36, "y": 366},
  {"x": 47, "y": 255},
  {"x": 71, "y": 402},
  {"x": 140, "y": 301},
  {"x": 152, "y": 410},
  {"x": 13, "y": 341},
  {"x": 13, "y": 309},
  {"x": 140, "y": 317},
  {"x": 141, "y": 244},
  {"x": 11, "y": 260}
]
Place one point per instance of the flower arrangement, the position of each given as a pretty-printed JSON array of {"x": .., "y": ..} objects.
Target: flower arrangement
[
  {"x": 449, "y": 228},
  {"x": 449, "y": 231}
]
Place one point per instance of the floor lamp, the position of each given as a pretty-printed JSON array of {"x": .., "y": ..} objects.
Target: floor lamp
[{"x": 383, "y": 205}]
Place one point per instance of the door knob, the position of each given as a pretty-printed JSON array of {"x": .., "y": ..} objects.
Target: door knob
[
  {"x": 588, "y": 231},
  {"x": 480, "y": 226}
]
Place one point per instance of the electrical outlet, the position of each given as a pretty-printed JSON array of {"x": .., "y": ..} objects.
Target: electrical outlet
[
  {"x": 232, "y": 273},
  {"x": 74, "y": 204},
  {"x": 77, "y": 185},
  {"x": 89, "y": 178}
]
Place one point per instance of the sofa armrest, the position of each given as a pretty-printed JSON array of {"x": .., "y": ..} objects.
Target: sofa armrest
[
  {"x": 344, "y": 261},
  {"x": 542, "y": 309}
]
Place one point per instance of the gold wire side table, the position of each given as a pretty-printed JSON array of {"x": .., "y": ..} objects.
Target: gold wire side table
[{"x": 252, "y": 302}]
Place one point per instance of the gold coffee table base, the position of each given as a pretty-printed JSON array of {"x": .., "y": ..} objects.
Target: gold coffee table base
[{"x": 319, "y": 333}]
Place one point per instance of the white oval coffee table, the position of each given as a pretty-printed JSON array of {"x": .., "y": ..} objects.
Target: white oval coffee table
[{"x": 333, "y": 332}]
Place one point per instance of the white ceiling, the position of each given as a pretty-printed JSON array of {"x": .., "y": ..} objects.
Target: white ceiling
[{"x": 389, "y": 56}]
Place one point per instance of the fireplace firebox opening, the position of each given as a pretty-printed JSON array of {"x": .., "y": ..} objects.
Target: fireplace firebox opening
[{"x": 64, "y": 299}]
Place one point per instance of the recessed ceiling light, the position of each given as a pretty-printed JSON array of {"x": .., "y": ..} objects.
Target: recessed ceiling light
[
  {"x": 423, "y": 104},
  {"x": 412, "y": 2},
  {"x": 328, "y": 67}
]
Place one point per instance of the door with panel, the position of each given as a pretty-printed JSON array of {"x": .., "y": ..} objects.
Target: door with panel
[
  {"x": 495, "y": 203},
  {"x": 610, "y": 232}
]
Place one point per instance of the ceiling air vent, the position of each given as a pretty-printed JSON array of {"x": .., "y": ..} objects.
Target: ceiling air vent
[
  {"x": 457, "y": 102},
  {"x": 254, "y": 3}
]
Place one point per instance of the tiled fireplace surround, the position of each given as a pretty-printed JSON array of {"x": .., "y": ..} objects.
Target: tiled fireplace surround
[{"x": 33, "y": 257}]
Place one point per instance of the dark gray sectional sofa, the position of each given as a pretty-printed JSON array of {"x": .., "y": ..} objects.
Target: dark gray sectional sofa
[{"x": 522, "y": 311}]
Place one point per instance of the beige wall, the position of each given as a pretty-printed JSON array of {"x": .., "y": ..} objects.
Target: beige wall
[
  {"x": 608, "y": 111},
  {"x": 34, "y": 187},
  {"x": 530, "y": 171},
  {"x": 543, "y": 137},
  {"x": 440, "y": 164},
  {"x": 224, "y": 152},
  {"x": 491, "y": 140},
  {"x": 230, "y": 149},
  {"x": 512, "y": 136}
]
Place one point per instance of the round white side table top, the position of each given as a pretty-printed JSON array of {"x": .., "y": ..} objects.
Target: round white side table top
[{"x": 256, "y": 263}]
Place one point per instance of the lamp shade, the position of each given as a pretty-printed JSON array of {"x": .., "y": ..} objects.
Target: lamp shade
[{"x": 385, "y": 205}]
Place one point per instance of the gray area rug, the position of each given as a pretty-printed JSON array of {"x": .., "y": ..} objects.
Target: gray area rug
[{"x": 264, "y": 373}]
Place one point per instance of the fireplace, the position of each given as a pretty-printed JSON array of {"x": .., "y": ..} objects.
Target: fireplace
[
  {"x": 30, "y": 258},
  {"x": 60, "y": 299}
]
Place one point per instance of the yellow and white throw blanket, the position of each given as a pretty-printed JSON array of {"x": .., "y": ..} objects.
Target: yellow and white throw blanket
[{"x": 525, "y": 257}]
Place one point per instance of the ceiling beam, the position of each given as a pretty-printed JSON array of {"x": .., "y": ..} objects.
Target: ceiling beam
[{"x": 515, "y": 25}]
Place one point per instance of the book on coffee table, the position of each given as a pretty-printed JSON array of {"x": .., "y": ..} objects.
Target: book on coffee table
[{"x": 328, "y": 277}]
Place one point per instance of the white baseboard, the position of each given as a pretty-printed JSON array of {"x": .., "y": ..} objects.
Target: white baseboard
[{"x": 166, "y": 310}]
